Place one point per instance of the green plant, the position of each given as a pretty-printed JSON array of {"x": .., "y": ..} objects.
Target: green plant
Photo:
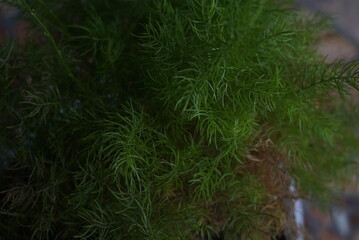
[{"x": 165, "y": 119}]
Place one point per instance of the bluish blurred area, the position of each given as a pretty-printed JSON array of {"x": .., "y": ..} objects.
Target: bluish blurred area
[
  {"x": 8, "y": 23},
  {"x": 345, "y": 20},
  {"x": 345, "y": 15}
]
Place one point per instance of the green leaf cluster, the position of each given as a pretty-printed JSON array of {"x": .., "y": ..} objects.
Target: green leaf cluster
[{"x": 129, "y": 119}]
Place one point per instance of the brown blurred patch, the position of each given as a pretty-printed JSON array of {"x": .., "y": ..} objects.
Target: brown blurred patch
[
  {"x": 269, "y": 165},
  {"x": 334, "y": 47},
  {"x": 324, "y": 235}
]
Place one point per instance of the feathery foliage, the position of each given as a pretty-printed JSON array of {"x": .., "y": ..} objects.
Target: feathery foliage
[{"x": 165, "y": 119}]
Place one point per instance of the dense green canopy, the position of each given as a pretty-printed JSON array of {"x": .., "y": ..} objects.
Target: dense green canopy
[{"x": 168, "y": 119}]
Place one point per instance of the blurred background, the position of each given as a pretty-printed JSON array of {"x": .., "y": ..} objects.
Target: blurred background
[
  {"x": 341, "y": 42},
  {"x": 340, "y": 220}
]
